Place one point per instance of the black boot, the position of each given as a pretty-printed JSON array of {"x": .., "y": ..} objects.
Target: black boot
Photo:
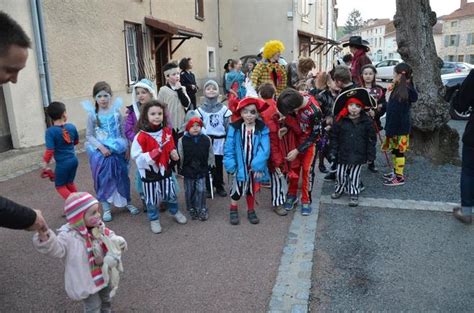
[
  {"x": 203, "y": 215},
  {"x": 372, "y": 168}
]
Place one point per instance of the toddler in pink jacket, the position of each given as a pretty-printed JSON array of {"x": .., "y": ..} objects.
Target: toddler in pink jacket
[{"x": 87, "y": 247}]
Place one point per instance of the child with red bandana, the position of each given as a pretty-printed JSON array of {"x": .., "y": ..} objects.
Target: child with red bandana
[
  {"x": 84, "y": 242},
  {"x": 352, "y": 141}
]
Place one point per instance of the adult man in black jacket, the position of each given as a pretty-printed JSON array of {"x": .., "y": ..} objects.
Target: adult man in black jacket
[
  {"x": 464, "y": 101},
  {"x": 14, "y": 46}
]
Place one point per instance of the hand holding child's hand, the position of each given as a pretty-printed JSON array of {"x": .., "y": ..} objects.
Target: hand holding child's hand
[
  {"x": 43, "y": 234},
  {"x": 174, "y": 155},
  {"x": 292, "y": 155},
  {"x": 282, "y": 132},
  {"x": 105, "y": 152}
]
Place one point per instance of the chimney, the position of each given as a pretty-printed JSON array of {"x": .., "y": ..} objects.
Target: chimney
[{"x": 463, "y": 3}]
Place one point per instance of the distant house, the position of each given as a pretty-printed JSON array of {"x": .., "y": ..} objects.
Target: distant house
[
  {"x": 374, "y": 32},
  {"x": 458, "y": 34}
]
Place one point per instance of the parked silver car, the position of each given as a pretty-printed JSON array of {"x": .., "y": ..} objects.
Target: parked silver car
[{"x": 385, "y": 69}]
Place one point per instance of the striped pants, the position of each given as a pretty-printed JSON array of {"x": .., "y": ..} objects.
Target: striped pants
[
  {"x": 160, "y": 191},
  {"x": 279, "y": 189},
  {"x": 348, "y": 179}
]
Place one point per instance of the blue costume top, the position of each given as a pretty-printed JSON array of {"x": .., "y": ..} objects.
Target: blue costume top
[
  {"x": 110, "y": 174},
  {"x": 234, "y": 159},
  {"x": 236, "y": 77},
  {"x": 64, "y": 153}
]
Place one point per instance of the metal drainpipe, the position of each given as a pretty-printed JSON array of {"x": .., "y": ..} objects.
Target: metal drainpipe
[
  {"x": 327, "y": 29},
  {"x": 41, "y": 53}
]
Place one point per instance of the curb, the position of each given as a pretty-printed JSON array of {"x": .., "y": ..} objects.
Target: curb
[{"x": 292, "y": 287}]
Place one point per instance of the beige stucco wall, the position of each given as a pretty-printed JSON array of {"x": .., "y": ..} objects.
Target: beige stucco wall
[
  {"x": 86, "y": 44},
  {"x": 248, "y": 24},
  {"x": 23, "y": 100}
]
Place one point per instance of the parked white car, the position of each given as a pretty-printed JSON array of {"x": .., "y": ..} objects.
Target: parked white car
[{"x": 385, "y": 69}]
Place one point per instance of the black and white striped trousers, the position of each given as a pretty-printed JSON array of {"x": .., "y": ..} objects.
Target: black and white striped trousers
[
  {"x": 279, "y": 189},
  {"x": 163, "y": 190},
  {"x": 348, "y": 179}
]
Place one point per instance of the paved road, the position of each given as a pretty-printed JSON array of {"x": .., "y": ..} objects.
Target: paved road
[
  {"x": 372, "y": 259},
  {"x": 199, "y": 267}
]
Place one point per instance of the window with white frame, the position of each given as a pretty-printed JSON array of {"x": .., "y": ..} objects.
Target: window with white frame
[
  {"x": 134, "y": 49},
  {"x": 211, "y": 61}
]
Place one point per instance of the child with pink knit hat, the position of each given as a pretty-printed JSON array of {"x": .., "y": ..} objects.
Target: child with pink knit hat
[{"x": 85, "y": 244}]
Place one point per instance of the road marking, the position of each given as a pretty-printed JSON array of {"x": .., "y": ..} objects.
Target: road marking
[{"x": 395, "y": 204}]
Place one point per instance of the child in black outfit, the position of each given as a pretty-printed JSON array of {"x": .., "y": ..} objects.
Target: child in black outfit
[
  {"x": 196, "y": 157},
  {"x": 352, "y": 141}
]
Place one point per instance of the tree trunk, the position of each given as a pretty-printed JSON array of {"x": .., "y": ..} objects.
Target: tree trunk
[{"x": 414, "y": 21}]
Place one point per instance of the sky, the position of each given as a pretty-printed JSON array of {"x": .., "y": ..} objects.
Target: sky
[{"x": 386, "y": 8}]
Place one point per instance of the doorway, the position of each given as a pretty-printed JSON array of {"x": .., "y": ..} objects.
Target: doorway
[{"x": 5, "y": 134}]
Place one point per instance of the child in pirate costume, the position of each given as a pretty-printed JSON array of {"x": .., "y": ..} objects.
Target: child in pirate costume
[
  {"x": 246, "y": 152},
  {"x": 270, "y": 70},
  {"x": 215, "y": 117},
  {"x": 279, "y": 144},
  {"x": 86, "y": 246},
  {"x": 303, "y": 117},
  {"x": 154, "y": 152},
  {"x": 352, "y": 141},
  {"x": 174, "y": 96},
  {"x": 142, "y": 92},
  {"x": 196, "y": 157}
]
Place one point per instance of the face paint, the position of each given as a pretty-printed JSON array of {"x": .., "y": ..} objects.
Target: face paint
[{"x": 102, "y": 95}]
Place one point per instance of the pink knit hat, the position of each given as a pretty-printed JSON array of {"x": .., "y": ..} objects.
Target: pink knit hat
[{"x": 76, "y": 205}]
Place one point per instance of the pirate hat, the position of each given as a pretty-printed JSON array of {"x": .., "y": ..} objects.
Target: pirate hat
[
  {"x": 260, "y": 104},
  {"x": 357, "y": 95},
  {"x": 357, "y": 41}
]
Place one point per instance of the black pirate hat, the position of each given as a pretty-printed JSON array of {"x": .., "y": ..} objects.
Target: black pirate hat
[
  {"x": 357, "y": 41},
  {"x": 358, "y": 95}
]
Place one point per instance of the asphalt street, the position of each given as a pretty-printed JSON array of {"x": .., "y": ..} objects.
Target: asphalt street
[
  {"x": 382, "y": 260},
  {"x": 198, "y": 267}
]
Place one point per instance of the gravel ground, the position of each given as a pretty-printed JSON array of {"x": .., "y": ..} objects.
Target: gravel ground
[{"x": 424, "y": 181}]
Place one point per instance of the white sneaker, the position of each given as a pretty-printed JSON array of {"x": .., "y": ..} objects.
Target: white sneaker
[
  {"x": 155, "y": 226},
  {"x": 180, "y": 218}
]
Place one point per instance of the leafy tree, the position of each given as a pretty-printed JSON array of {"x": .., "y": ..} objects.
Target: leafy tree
[
  {"x": 354, "y": 22},
  {"x": 431, "y": 136}
]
